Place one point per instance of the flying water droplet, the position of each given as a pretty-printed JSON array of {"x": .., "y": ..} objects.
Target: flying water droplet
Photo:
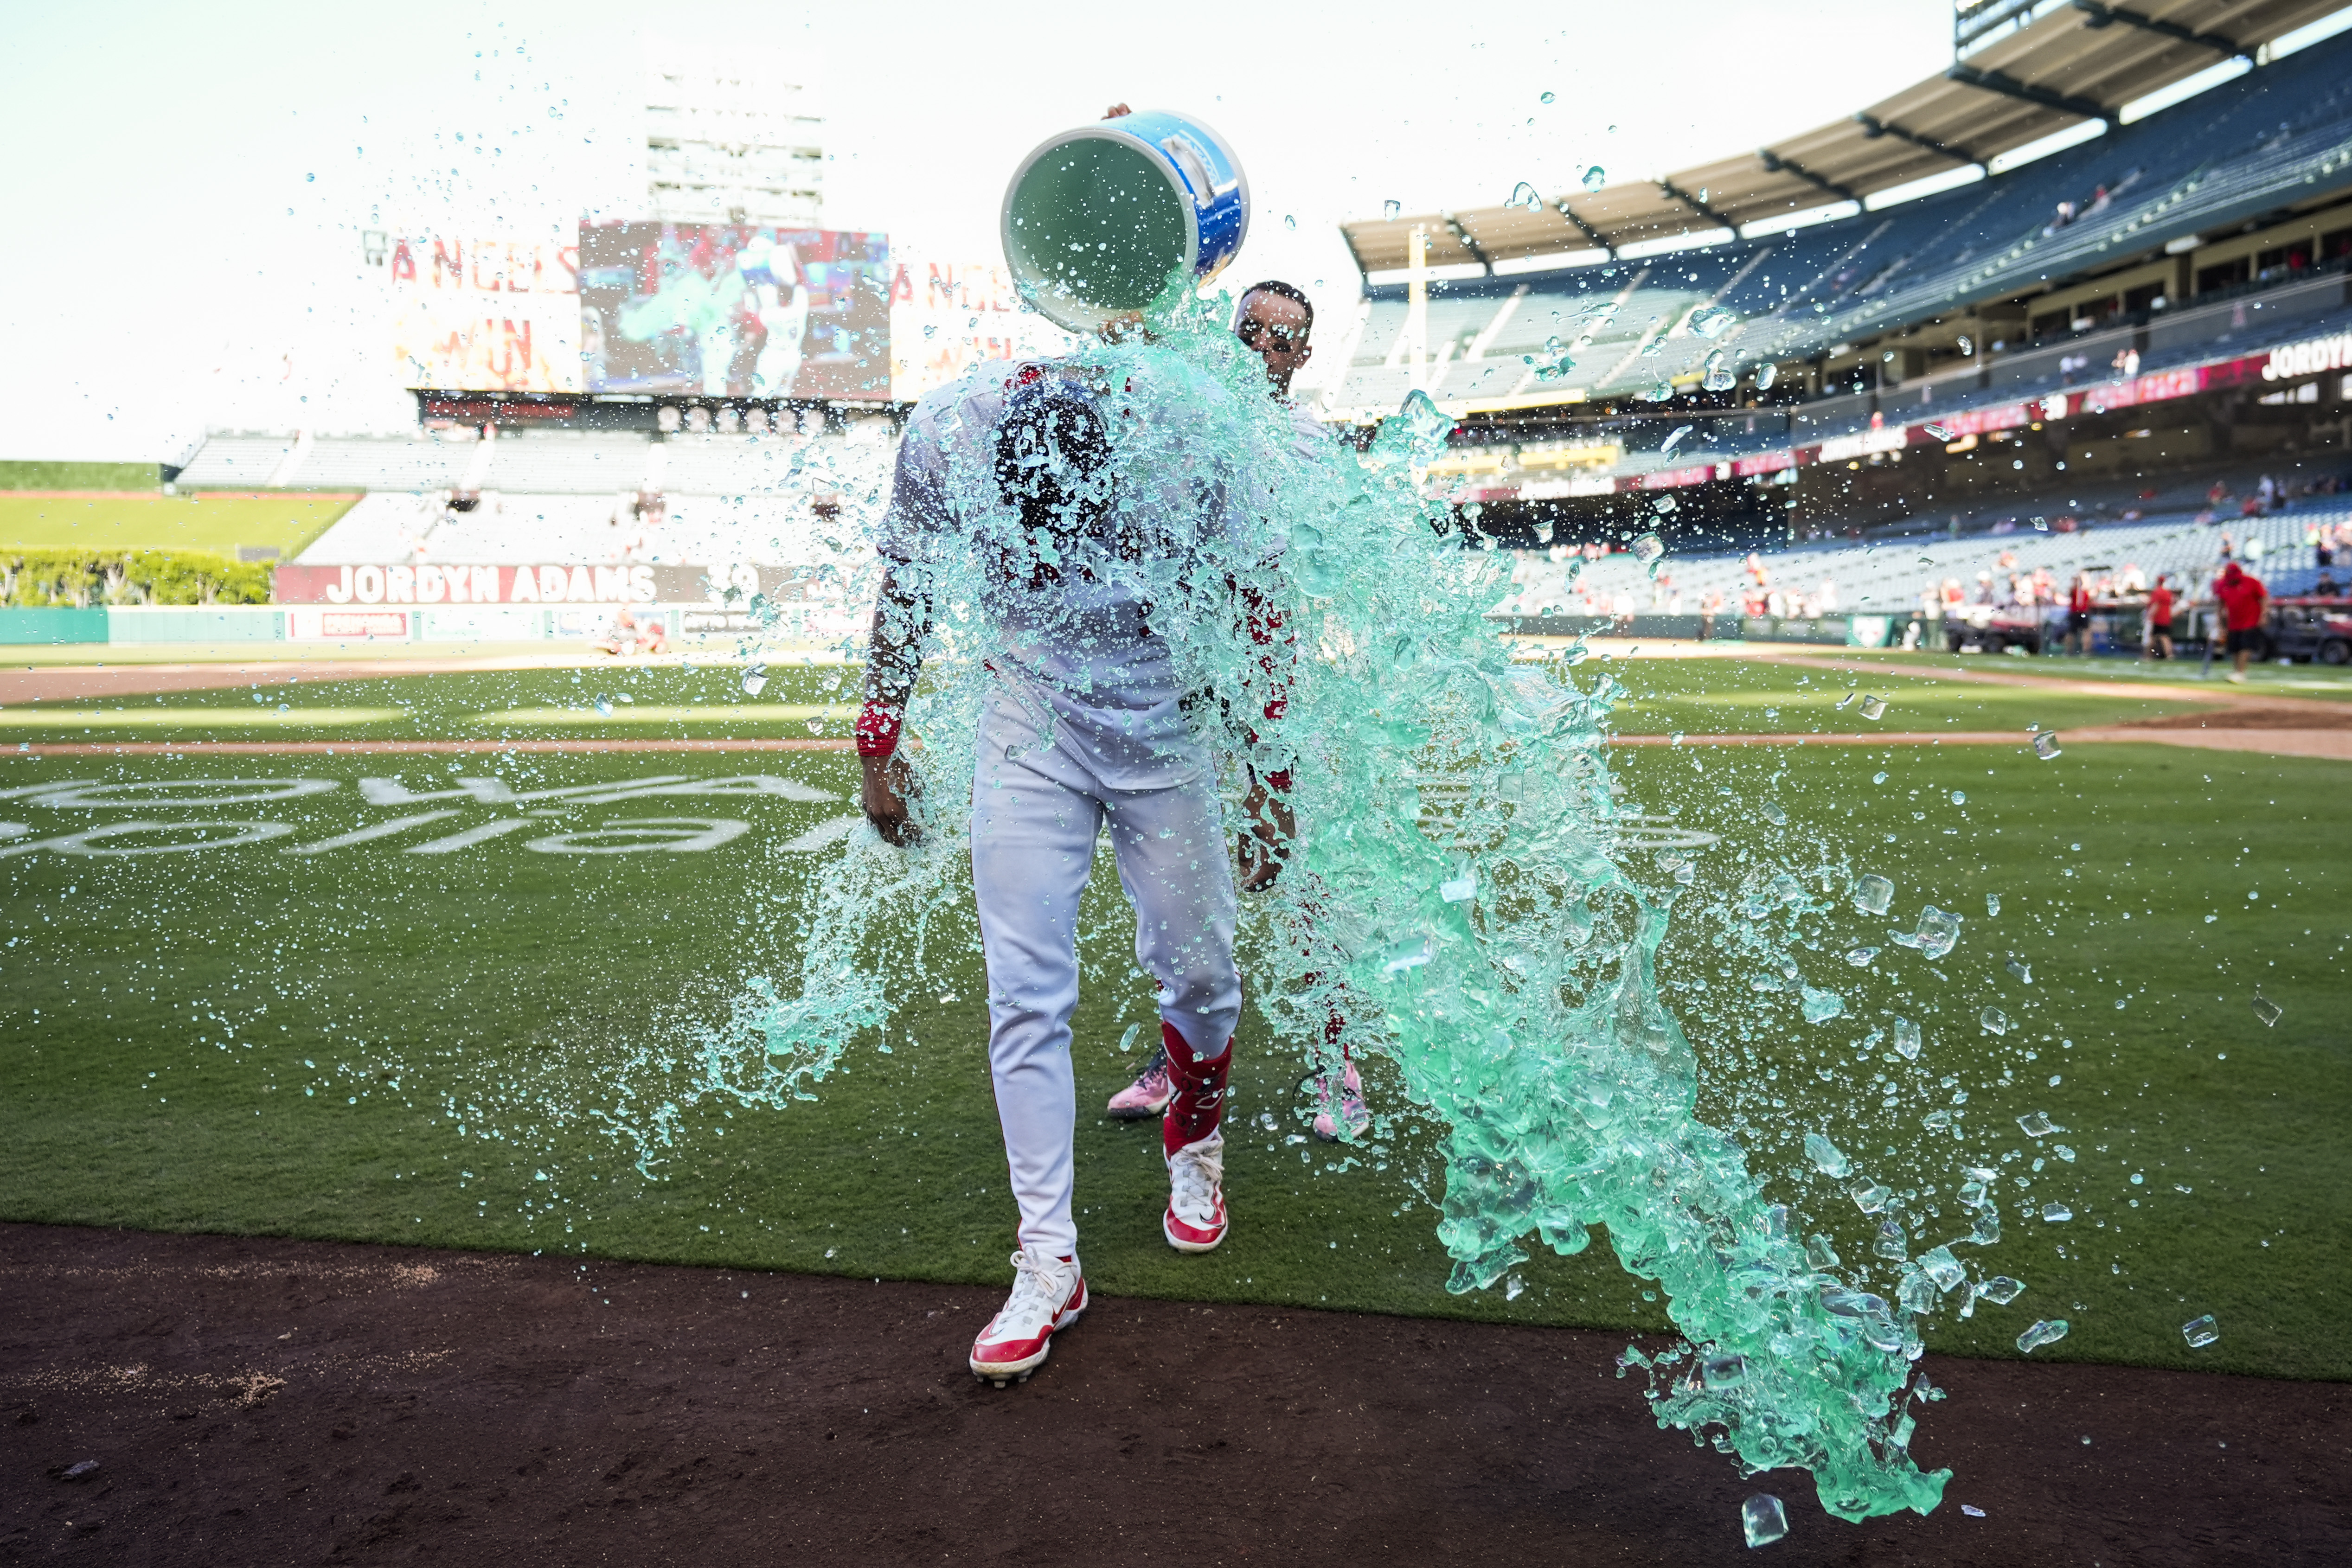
[
  {"x": 1860, "y": 957},
  {"x": 2049, "y": 1330},
  {"x": 1667, "y": 449},
  {"x": 1765, "y": 373},
  {"x": 1390, "y": 209},
  {"x": 1720, "y": 376},
  {"x": 1712, "y": 321},
  {"x": 605, "y": 706},
  {"x": 1938, "y": 431},
  {"x": 2200, "y": 1331},
  {"x": 1289, "y": 221},
  {"x": 1959, "y": 798},
  {"x": 1524, "y": 195},
  {"x": 1544, "y": 98},
  {"x": 1127, "y": 1040},
  {"x": 1993, "y": 906},
  {"x": 1595, "y": 177}
]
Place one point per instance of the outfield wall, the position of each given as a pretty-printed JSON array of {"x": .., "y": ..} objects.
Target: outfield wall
[{"x": 117, "y": 625}]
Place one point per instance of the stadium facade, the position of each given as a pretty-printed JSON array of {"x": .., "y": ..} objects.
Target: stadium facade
[
  {"x": 2030, "y": 287},
  {"x": 1798, "y": 341}
]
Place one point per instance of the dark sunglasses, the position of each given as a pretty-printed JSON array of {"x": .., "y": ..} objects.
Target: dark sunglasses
[{"x": 1251, "y": 330}]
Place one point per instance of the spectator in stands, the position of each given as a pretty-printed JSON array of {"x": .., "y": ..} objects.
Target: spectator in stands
[
  {"x": 2326, "y": 586},
  {"x": 2242, "y": 598},
  {"x": 2078, "y": 616},
  {"x": 2228, "y": 546},
  {"x": 2157, "y": 642},
  {"x": 2266, "y": 495}
]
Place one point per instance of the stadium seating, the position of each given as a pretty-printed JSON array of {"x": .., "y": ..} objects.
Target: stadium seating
[
  {"x": 1889, "y": 577},
  {"x": 2245, "y": 147}
]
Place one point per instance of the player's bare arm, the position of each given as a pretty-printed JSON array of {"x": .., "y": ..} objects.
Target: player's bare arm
[{"x": 894, "y": 658}]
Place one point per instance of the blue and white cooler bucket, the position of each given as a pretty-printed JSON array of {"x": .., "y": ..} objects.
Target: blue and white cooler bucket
[{"x": 1096, "y": 220}]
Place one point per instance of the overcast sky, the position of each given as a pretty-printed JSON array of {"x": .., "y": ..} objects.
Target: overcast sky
[{"x": 179, "y": 249}]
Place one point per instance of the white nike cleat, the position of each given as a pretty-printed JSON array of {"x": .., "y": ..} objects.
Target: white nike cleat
[
  {"x": 1048, "y": 1294},
  {"x": 1196, "y": 1220}
]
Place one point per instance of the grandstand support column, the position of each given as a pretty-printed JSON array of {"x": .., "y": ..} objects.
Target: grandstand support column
[{"x": 1416, "y": 309}]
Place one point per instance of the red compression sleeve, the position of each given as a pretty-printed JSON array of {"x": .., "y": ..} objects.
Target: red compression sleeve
[{"x": 878, "y": 729}]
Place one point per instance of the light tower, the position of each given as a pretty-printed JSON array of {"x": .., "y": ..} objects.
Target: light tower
[{"x": 728, "y": 138}]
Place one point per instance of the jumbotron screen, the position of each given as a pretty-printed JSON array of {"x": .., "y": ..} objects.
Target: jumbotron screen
[{"x": 734, "y": 311}]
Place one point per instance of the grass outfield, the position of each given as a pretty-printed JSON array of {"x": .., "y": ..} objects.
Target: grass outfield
[
  {"x": 246, "y": 1041},
  {"x": 1699, "y": 697},
  {"x": 140, "y": 521}
]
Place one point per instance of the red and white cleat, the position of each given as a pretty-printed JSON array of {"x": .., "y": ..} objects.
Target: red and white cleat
[
  {"x": 1149, "y": 1094},
  {"x": 1196, "y": 1220},
  {"x": 1048, "y": 1294}
]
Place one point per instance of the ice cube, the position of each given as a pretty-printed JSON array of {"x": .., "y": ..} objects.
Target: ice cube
[
  {"x": 1939, "y": 1265},
  {"x": 1868, "y": 1195},
  {"x": 2267, "y": 1010},
  {"x": 1774, "y": 814},
  {"x": 2037, "y": 1125},
  {"x": 2056, "y": 1213},
  {"x": 1127, "y": 1040},
  {"x": 1994, "y": 1020},
  {"x": 1872, "y": 895},
  {"x": 2046, "y": 745},
  {"x": 1874, "y": 707},
  {"x": 1822, "y": 1006},
  {"x": 1762, "y": 1521},
  {"x": 1819, "y": 1253},
  {"x": 1907, "y": 1038},
  {"x": 1987, "y": 1229},
  {"x": 1860, "y": 957},
  {"x": 1648, "y": 547},
  {"x": 2200, "y": 1331},
  {"x": 2049, "y": 1330},
  {"x": 755, "y": 680},
  {"x": 2001, "y": 1289},
  {"x": 1973, "y": 1511},
  {"x": 2024, "y": 975},
  {"x": 1891, "y": 1243},
  {"x": 1938, "y": 933},
  {"x": 1826, "y": 1156},
  {"x": 1726, "y": 1370},
  {"x": 1993, "y": 906}
]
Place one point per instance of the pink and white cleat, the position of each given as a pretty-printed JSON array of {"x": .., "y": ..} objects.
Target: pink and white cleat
[
  {"x": 1149, "y": 1094},
  {"x": 1196, "y": 1220},
  {"x": 1350, "y": 1112},
  {"x": 1048, "y": 1294}
]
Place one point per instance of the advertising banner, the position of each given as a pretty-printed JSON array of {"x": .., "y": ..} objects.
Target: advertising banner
[
  {"x": 947, "y": 317},
  {"x": 734, "y": 311},
  {"x": 732, "y": 585},
  {"x": 485, "y": 313}
]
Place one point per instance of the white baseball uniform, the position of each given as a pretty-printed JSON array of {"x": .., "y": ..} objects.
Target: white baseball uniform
[{"x": 1086, "y": 732}]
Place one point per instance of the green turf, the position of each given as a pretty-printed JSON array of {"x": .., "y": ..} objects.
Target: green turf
[
  {"x": 1697, "y": 696},
  {"x": 22, "y": 473},
  {"x": 216, "y": 524},
  {"x": 364, "y": 994}
]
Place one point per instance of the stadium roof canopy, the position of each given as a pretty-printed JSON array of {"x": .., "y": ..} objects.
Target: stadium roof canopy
[{"x": 2028, "y": 68}]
